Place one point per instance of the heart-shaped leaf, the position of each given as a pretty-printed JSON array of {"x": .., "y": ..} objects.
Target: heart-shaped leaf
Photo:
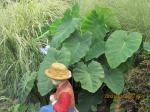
[
  {"x": 78, "y": 45},
  {"x": 120, "y": 46},
  {"x": 114, "y": 79},
  {"x": 61, "y": 56},
  {"x": 89, "y": 76}
]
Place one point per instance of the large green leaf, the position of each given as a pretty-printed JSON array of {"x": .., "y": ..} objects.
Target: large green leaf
[
  {"x": 109, "y": 17},
  {"x": 120, "y": 46},
  {"x": 62, "y": 56},
  {"x": 89, "y": 76},
  {"x": 78, "y": 45},
  {"x": 94, "y": 24},
  {"x": 54, "y": 26},
  {"x": 74, "y": 12},
  {"x": 86, "y": 100},
  {"x": 25, "y": 85},
  {"x": 64, "y": 31},
  {"x": 147, "y": 46},
  {"x": 96, "y": 49},
  {"x": 114, "y": 79},
  {"x": 99, "y": 21}
]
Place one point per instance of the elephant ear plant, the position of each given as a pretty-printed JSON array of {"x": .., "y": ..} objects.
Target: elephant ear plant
[{"x": 94, "y": 47}]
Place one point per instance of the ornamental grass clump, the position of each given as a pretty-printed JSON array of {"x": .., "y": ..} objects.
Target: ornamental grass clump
[{"x": 20, "y": 32}]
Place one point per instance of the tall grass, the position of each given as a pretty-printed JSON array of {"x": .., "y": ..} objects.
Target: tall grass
[
  {"x": 134, "y": 15},
  {"x": 86, "y": 5},
  {"x": 20, "y": 27}
]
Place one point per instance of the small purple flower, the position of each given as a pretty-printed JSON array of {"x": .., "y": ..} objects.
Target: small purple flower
[{"x": 44, "y": 50}]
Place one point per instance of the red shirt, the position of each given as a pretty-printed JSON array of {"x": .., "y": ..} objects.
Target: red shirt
[{"x": 65, "y": 97}]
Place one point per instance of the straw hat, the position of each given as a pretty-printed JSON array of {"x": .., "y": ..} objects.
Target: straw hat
[{"x": 58, "y": 71}]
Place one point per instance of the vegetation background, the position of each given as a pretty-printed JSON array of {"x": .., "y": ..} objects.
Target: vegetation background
[{"x": 24, "y": 28}]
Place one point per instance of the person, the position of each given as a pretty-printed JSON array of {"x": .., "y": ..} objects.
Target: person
[{"x": 63, "y": 99}]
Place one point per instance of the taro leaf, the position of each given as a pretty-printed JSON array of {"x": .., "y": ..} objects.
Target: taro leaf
[
  {"x": 64, "y": 31},
  {"x": 54, "y": 25},
  {"x": 94, "y": 24},
  {"x": 74, "y": 12},
  {"x": 109, "y": 17},
  {"x": 62, "y": 56},
  {"x": 96, "y": 49},
  {"x": 25, "y": 86},
  {"x": 147, "y": 46},
  {"x": 98, "y": 21},
  {"x": 114, "y": 79},
  {"x": 126, "y": 66},
  {"x": 86, "y": 100},
  {"x": 120, "y": 46},
  {"x": 89, "y": 76},
  {"x": 78, "y": 45}
]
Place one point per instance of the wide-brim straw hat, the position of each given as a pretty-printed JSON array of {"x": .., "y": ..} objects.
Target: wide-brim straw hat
[{"x": 58, "y": 71}]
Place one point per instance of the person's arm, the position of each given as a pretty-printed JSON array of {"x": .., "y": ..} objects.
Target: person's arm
[{"x": 63, "y": 103}]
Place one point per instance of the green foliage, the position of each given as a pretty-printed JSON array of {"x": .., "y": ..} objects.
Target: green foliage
[
  {"x": 24, "y": 108},
  {"x": 87, "y": 100},
  {"x": 62, "y": 56},
  {"x": 93, "y": 52},
  {"x": 94, "y": 23},
  {"x": 132, "y": 14},
  {"x": 74, "y": 12},
  {"x": 68, "y": 15},
  {"x": 19, "y": 108},
  {"x": 114, "y": 80},
  {"x": 80, "y": 47},
  {"x": 147, "y": 46},
  {"x": 71, "y": 20},
  {"x": 84, "y": 40},
  {"x": 87, "y": 5},
  {"x": 21, "y": 25},
  {"x": 89, "y": 76},
  {"x": 64, "y": 32},
  {"x": 99, "y": 21},
  {"x": 108, "y": 17},
  {"x": 25, "y": 85},
  {"x": 120, "y": 46},
  {"x": 34, "y": 107},
  {"x": 77, "y": 42}
]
